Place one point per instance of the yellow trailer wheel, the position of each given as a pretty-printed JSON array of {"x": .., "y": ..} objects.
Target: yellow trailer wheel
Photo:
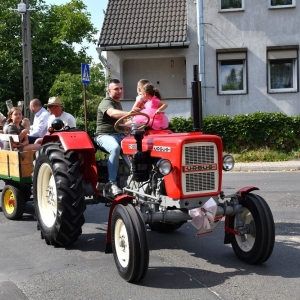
[{"x": 13, "y": 202}]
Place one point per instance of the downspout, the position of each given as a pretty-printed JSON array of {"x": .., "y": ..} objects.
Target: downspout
[
  {"x": 103, "y": 63},
  {"x": 201, "y": 54}
]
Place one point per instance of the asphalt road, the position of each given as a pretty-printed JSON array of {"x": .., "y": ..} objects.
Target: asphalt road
[{"x": 182, "y": 266}]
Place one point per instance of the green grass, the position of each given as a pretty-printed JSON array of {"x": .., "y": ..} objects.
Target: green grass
[{"x": 266, "y": 155}]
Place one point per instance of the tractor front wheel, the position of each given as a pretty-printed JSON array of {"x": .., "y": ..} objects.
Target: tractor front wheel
[
  {"x": 129, "y": 243},
  {"x": 258, "y": 244},
  {"x": 58, "y": 194}
]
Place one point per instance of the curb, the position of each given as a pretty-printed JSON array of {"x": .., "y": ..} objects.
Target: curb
[{"x": 287, "y": 166}]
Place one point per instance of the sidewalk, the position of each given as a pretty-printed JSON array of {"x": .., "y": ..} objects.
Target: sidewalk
[{"x": 267, "y": 166}]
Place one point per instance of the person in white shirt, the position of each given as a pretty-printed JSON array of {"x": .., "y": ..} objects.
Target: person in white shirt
[
  {"x": 55, "y": 108},
  {"x": 40, "y": 122}
]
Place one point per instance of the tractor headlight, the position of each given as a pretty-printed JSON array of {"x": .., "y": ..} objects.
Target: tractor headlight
[
  {"x": 228, "y": 162},
  {"x": 164, "y": 166}
]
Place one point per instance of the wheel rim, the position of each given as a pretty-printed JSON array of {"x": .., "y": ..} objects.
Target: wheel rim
[
  {"x": 121, "y": 243},
  {"x": 9, "y": 202},
  {"x": 248, "y": 244},
  {"x": 47, "y": 195}
]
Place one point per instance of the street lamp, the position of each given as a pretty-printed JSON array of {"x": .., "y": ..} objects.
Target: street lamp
[{"x": 24, "y": 10}]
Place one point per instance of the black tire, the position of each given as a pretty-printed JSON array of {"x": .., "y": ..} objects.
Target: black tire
[
  {"x": 58, "y": 194},
  {"x": 259, "y": 243},
  {"x": 12, "y": 201},
  {"x": 129, "y": 243},
  {"x": 165, "y": 227}
]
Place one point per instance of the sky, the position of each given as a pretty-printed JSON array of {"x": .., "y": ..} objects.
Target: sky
[{"x": 95, "y": 8}]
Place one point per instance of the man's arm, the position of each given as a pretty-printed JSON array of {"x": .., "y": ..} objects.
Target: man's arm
[{"x": 116, "y": 113}]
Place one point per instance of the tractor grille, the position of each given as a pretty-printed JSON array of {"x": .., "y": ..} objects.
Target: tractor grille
[{"x": 200, "y": 157}]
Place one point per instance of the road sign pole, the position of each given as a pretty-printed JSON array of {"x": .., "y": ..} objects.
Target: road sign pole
[
  {"x": 85, "y": 109},
  {"x": 85, "y": 77}
]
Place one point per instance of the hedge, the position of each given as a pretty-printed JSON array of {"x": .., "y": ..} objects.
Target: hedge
[
  {"x": 246, "y": 132},
  {"x": 241, "y": 133}
]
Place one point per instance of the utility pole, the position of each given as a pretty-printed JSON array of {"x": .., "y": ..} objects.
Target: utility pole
[
  {"x": 201, "y": 54},
  {"x": 24, "y": 10}
]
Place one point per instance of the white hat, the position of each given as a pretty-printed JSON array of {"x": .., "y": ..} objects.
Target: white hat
[{"x": 54, "y": 101}]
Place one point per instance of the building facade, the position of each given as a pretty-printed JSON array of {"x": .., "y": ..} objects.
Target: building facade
[{"x": 250, "y": 52}]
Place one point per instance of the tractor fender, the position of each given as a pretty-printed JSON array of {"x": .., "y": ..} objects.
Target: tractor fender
[
  {"x": 239, "y": 193},
  {"x": 246, "y": 190},
  {"x": 118, "y": 200},
  {"x": 70, "y": 140}
]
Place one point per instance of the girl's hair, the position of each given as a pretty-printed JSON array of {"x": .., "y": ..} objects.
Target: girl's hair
[
  {"x": 11, "y": 111},
  {"x": 142, "y": 82},
  {"x": 148, "y": 88}
]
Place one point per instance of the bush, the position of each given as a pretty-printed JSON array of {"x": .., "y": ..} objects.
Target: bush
[
  {"x": 249, "y": 132},
  {"x": 91, "y": 126}
]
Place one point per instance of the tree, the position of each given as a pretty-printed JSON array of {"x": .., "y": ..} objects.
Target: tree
[
  {"x": 69, "y": 88},
  {"x": 54, "y": 30}
]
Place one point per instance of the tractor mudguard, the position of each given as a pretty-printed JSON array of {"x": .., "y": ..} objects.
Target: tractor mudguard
[
  {"x": 246, "y": 190},
  {"x": 71, "y": 140}
]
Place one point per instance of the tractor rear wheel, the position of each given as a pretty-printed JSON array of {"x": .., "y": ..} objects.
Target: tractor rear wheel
[
  {"x": 12, "y": 201},
  {"x": 58, "y": 194},
  {"x": 129, "y": 243},
  {"x": 259, "y": 242}
]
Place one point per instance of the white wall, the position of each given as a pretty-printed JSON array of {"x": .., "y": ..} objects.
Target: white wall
[{"x": 255, "y": 28}]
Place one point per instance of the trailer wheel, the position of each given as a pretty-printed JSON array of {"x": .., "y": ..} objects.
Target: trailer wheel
[
  {"x": 129, "y": 243},
  {"x": 13, "y": 202},
  {"x": 259, "y": 243},
  {"x": 58, "y": 194}
]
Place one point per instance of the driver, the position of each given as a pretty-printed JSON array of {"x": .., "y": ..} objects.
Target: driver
[{"x": 109, "y": 111}]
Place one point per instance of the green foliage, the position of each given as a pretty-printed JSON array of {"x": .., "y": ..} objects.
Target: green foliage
[
  {"x": 69, "y": 88},
  {"x": 54, "y": 30},
  {"x": 247, "y": 133},
  {"x": 263, "y": 155},
  {"x": 91, "y": 126},
  {"x": 180, "y": 124}
]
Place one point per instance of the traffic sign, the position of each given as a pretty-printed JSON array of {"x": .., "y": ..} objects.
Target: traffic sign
[{"x": 85, "y": 73}]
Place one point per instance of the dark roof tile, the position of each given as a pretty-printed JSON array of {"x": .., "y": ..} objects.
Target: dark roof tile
[{"x": 131, "y": 22}]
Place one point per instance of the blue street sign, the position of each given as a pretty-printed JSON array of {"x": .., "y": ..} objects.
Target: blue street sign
[{"x": 85, "y": 73}]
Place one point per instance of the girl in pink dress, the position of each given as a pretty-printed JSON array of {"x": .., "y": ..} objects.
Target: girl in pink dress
[{"x": 153, "y": 107}]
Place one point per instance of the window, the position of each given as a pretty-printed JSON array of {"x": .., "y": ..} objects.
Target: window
[
  {"x": 230, "y": 5},
  {"x": 232, "y": 65},
  {"x": 282, "y": 69},
  {"x": 282, "y": 3}
]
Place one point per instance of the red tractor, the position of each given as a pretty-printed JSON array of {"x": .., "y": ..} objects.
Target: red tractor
[{"x": 170, "y": 175}]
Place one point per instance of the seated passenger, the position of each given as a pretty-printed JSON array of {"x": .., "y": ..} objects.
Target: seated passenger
[
  {"x": 109, "y": 111},
  {"x": 14, "y": 126},
  {"x": 55, "y": 108},
  {"x": 152, "y": 105},
  {"x": 40, "y": 122},
  {"x": 26, "y": 124},
  {"x": 2, "y": 122}
]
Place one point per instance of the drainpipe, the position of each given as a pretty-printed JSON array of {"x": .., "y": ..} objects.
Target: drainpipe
[
  {"x": 103, "y": 61},
  {"x": 201, "y": 53}
]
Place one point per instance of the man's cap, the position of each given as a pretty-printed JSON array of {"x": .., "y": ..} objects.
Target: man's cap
[{"x": 54, "y": 101}]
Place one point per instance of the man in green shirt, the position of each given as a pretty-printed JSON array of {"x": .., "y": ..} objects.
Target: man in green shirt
[{"x": 109, "y": 111}]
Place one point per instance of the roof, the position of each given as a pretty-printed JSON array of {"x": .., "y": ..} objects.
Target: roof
[{"x": 144, "y": 23}]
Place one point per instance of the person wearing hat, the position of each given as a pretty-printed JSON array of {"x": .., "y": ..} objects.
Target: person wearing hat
[
  {"x": 40, "y": 122},
  {"x": 55, "y": 108}
]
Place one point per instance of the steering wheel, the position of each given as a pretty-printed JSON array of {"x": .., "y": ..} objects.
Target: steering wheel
[{"x": 132, "y": 125}]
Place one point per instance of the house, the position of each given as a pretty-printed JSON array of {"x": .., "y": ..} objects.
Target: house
[{"x": 249, "y": 54}]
